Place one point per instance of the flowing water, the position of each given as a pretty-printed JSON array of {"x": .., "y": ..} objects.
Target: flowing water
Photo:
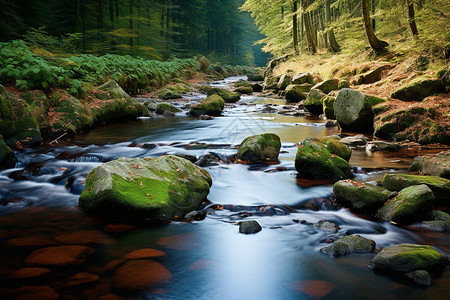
[{"x": 207, "y": 259}]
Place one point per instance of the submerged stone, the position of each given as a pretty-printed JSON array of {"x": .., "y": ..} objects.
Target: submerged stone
[
  {"x": 61, "y": 256},
  {"x": 156, "y": 188},
  {"x": 350, "y": 244}
]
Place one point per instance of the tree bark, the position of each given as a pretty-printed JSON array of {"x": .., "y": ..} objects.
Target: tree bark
[
  {"x": 295, "y": 26},
  {"x": 131, "y": 27},
  {"x": 308, "y": 30},
  {"x": 411, "y": 18},
  {"x": 376, "y": 44}
]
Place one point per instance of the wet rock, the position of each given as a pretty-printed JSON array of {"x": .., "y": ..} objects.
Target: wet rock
[
  {"x": 382, "y": 145},
  {"x": 247, "y": 90},
  {"x": 412, "y": 204},
  {"x": 328, "y": 107},
  {"x": 327, "y": 158},
  {"x": 114, "y": 90},
  {"x": 84, "y": 237},
  {"x": 418, "y": 89},
  {"x": 353, "y": 110},
  {"x": 226, "y": 95},
  {"x": 25, "y": 242},
  {"x": 61, "y": 256},
  {"x": 205, "y": 117},
  {"x": 35, "y": 293},
  {"x": 213, "y": 106},
  {"x": 440, "y": 221},
  {"x": 195, "y": 215},
  {"x": 260, "y": 148},
  {"x": 80, "y": 279},
  {"x": 144, "y": 254},
  {"x": 360, "y": 197},
  {"x": 433, "y": 164},
  {"x": 157, "y": 188},
  {"x": 191, "y": 158},
  {"x": 420, "y": 277},
  {"x": 313, "y": 102},
  {"x": 269, "y": 110},
  {"x": 295, "y": 93},
  {"x": 168, "y": 114},
  {"x": 30, "y": 273},
  {"x": 331, "y": 123},
  {"x": 139, "y": 275},
  {"x": 207, "y": 160},
  {"x": 327, "y": 226},
  {"x": 327, "y": 85},
  {"x": 7, "y": 158},
  {"x": 119, "y": 228},
  {"x": 315, "y": 289},
  {"x": 349, "y": 245},
  {"x": 249, "y": 227},
  {"x": 440, "y": 186},
  {"x": 355, "y": 140},
  {"x": 168, "y": 94},
  {"x": 161, "y": 108},
  {"x": 149, "y": 146},
  {"x": 406, "y": 258}
]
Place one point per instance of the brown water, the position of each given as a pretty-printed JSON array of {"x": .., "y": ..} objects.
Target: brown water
[{"x": 206, "y": 259}]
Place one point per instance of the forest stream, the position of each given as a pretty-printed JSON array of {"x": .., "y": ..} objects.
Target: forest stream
[{"x": 206, "y": 259}]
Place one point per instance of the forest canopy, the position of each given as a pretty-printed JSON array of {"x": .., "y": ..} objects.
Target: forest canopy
[{"x": 158, "y": 29}]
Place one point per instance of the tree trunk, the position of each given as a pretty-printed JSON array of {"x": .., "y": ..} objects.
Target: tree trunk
[
  {"x": 131, "y": 27},
  {"x": 373, "y": 12},
  {"x": 376, "y": 44},
  {"x": 111, "y": 12},
  {"x": 295, "y": 27},
  {"x": 411, "y": 19},
  {"x": 333, "y": 45},
  {"x": 308, "y": 30}
]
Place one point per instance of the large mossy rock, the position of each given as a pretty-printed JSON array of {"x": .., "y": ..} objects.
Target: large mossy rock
[
  {"x": 406, "y": 258},
  {"x": 349, "y": 245},
  {"x": 423, "y": 122},
  {"x": 418, "y": 89},
  {"x": 260, "y": 148},
  {"x": 163, "y": 107},
  {"x": 313, "y": 102},
  {"x": 328, "y": 107},
  {"x": 167, "y": 94},
  {"x": 6, "y": 154},
  {"x": 226, "y": 95},
  {"x": 155, "y": 188},
  {"x": 7, "y": 127},
  {"x": 212, "y": 105},
  {"x": 302, "y": 78},
  {"x": 327, "y": 85},
  {"x": 412, "y": 204},
  {"x": 114, "y": 90},
  {"x": 247, "y": 90},
  {"x": 433, "y": 164},
  {"x": 316, "y": 159},
  {"x": 440, "y": 186},
  {"x": 295, "y": 93},
  {"x": 203, "y": 63},
  {"x": 73, "y": 116},
  {"x": 353, "y": 110},
  {"x": 360, "y": 197},
  {"x": 284, "y": 81}
]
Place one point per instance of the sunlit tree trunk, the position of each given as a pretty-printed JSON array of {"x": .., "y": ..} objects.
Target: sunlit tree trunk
[
  {"x": 411, "y": 18},
  {"x": 376, "y": 44},
  {"x": 333, "y": 45},
  {"x": 295, "y": 26}
]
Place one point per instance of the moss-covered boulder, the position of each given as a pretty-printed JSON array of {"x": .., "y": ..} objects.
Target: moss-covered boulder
[
  {"x": 255, "y": 77},
  {"x": 433, "y": 164},
  {"x": 412, "y": 204},
  {"x": 167, "y": 94},
  {"x": 260, "y": 148},
  {"x": 327, "y": 85},
  {"x": 370, "y": 76},
  {"x": 439, "y": 221},
  {"x": 27, "y": 127},
  {"x": 6, "y": 154},
  {"x": 163, "y": 107},
  {"x": 247, "y": 90},
  {"x": 284, "y": 81},
  {"x": 70, "y": 116},
  {"x": 313, "y": 102},
  {"x": 7, "y": 127},
  {"x": 153, "y": 188},
  {"x": 204, "y": 88},
  {"x": 295, "y": 93},
  {"x": 353, "y": 110},
  {"x": 203, "y": 63},
  {"x": 242, "y": 83},
  {"x": 440, "y": 186},
  {"x": 406, "y": 258},
  {"x": 301, "y": 78},
  {"x": 114, "y": 90},
  {"x": 316, "y": 160},
  {"x": 425, "y": 123},
  {"x": 349, "y": 245},
  {"x": 226, "y": 95},
  {"x": 115, "y": 110},
  {"x": 418, "y": 89},
  {"x": 328, "y": 107},
  {"x": 360, "y": 197},
  {"x": 343, "y": 83},
  {"x": 212, "y": 105}
]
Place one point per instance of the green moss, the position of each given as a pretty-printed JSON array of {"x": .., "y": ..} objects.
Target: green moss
[
  {"x": 244, "y": 90},
  {"x": 167, "y": 94},
  {"x": 360, "y": 197},
  {"x": 5, "y": 151},
  {"x": 327, "y": 85},
  {"x": 296, "y": 93},
  {"x": 205, "y": 88},
  {"x": 338, "y": 148},
  {"x": 411, "y": 205},
  {"x": 226, "y": 95},
  {"x": 260, "y": 148},
  {"x": 418, "y": 89},
  {"x": 7, "y": 127},
  {"x": 397, "y": 182},
  {"x": 328, "y": 107},
  {"x": 162, "y": 107},
  {"x": 242, "y": 84},
  {"x": 213, "y": 105}
]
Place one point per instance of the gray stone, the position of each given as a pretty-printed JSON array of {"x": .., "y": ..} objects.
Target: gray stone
[{"x": 249, "y": 227}]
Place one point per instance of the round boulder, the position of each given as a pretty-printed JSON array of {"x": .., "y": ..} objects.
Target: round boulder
[{"x": 260, "y": 148}]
